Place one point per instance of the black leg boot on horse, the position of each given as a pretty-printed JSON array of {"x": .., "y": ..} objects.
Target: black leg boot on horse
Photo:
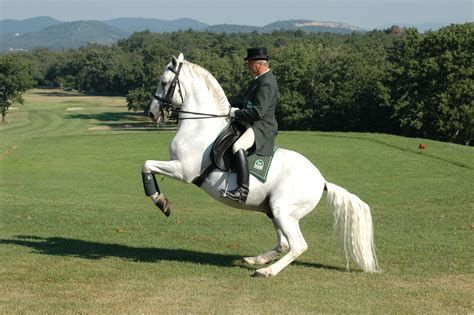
[{"x": 241, "y": 165}]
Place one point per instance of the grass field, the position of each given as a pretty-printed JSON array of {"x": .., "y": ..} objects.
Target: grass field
[{"x": 77, "y": 234}]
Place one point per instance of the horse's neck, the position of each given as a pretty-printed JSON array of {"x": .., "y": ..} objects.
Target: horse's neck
[
  {"x": 201, "y": 131},
  {"x": 204, "y": 128}
]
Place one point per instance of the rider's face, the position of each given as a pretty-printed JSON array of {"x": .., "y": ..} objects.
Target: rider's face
[{"x": 254, "y": 66}]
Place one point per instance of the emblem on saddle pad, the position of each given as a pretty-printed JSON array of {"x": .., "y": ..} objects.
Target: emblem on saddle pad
[{"x": 259, "y": 164}]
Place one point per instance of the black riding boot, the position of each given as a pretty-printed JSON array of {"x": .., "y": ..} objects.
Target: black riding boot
[{"x": 241, "y": 165}]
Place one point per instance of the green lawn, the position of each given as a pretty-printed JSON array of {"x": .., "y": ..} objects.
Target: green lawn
[{"x": 77, "y": 234}]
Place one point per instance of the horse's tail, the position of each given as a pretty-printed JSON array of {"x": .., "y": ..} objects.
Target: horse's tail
[{"x": 354, "y": 221}]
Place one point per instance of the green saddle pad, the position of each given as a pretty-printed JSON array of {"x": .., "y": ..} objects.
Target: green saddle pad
[{"x": 259, "y": 165}]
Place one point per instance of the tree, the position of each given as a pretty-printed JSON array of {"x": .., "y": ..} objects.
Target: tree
[
  {"x": 433, "y": 83},
  {"x": 345, "y": 88},
  {"x": 139, "y": 99},
  {"x": 290, "y": 66},
  {"x": 41, "y": 62},
  {"x": 15, "y": 79}
]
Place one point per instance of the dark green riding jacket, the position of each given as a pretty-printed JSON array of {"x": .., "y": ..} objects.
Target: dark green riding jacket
[{"x": 258, "y": 112}]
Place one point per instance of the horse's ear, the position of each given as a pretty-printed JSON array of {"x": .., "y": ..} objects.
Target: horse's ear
[{"x": 174, "y": 61}]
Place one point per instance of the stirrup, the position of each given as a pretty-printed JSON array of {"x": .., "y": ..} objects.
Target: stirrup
[
  {"x": 242, "y": 195},
  {"x": 226, "y": 189}
]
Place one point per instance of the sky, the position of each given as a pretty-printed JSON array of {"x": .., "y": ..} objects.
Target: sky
[{"x": 366, "y": 14}]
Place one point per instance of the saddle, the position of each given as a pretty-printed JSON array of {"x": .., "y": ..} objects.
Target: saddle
[
  {"x": 221, "y": 155},
  {"x": 259, "y": 165}
]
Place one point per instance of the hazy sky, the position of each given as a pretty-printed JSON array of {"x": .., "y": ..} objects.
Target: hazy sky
[{"x": 362, "y": 13}]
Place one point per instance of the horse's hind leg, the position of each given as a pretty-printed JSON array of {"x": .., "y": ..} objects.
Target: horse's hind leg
[
  {"x": 281, "y": 247},
  {"x": 290, "y": 228}
]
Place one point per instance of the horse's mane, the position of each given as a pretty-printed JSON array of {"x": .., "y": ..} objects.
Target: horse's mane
[{"x": 222, "y": 103}]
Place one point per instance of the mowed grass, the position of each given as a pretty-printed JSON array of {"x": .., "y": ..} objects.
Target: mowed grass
[{"x": 77, "y": 234}]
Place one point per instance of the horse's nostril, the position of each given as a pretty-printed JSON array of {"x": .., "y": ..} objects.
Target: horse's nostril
[{"x": 150, "y": 114}]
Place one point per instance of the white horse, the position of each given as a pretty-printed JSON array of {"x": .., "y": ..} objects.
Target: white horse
[{"x": 293, "y": 187}]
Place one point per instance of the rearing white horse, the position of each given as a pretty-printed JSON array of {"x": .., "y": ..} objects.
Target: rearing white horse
[{"x": 293, "y": 187}]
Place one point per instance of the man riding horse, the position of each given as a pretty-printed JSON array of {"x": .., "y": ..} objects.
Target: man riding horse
[
  {"x": 195, "y": 94},
  {"x": 257, "y": 117}
]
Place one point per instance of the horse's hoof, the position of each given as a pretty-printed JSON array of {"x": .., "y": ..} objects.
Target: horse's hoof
[
  {"x": 260, "y": 274},
  {"x": 248, "y": 261},
  {"x": 163, "y": 203}
]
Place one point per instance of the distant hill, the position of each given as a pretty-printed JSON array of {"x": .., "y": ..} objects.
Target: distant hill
[
  {"x": 304, "y": 25},
  {"x": 131, "y": 25},
  {"x": 64, "y": 35},
  {"x": 53, "y": 34},
  {"x": 27, "y": 26},
  {"x": 233, "y": 28},
  {"x": 313, "y": 26}
]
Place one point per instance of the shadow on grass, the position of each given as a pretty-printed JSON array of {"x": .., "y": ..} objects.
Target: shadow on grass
[
  {"x": 57, "y": 93},
  {"x": 123, "y": 121},
  {"x": 70, "y": 93},
  {"x": 59, "y": 246},
  {"x": 111, "y": 116}
]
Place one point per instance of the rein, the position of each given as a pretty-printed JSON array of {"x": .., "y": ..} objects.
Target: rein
[
  {"x": 168, "y": 104},
  {"x": 205, "y": 115}
]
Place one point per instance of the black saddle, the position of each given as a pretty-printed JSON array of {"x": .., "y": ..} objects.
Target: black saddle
[{"x": 221, "y": 153}]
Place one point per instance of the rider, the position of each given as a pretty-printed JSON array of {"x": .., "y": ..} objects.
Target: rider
[{"x": 257, "y": 117}]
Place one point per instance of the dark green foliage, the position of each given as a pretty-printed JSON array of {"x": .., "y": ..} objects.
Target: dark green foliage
[
  {"x": 14, "y": 80},
  {"x": 393, "y": 81},
  {"x": 433, "y": 83}
]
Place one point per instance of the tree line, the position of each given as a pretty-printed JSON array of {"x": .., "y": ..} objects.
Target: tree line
[{"x": 395, "y": 81}]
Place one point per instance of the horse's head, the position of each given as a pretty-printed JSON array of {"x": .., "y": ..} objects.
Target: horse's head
[{"x": 169, "y": 93}]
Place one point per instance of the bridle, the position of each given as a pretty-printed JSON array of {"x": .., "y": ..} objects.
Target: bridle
[
  {"x": 167, "y": 103},
  {"x": 167, "y": 100}
]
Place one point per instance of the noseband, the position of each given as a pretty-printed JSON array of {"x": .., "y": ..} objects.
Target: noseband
[{"x": 167, "y": 102}]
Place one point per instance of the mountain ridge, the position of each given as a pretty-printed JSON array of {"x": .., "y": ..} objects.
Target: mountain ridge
[
  {"x": 131, "y": 25},
  {"x": 27, "y": 25},
  {"x": 48, "y": 32},
  {"x": 63, "y": 36}
]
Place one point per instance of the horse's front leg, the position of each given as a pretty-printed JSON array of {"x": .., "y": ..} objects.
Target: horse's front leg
[{"x": 172, "y": 169}]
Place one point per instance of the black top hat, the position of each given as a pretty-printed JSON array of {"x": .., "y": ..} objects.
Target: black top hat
[{"x": 257, "y": 53}]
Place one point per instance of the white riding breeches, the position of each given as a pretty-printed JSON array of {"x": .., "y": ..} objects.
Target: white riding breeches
[{"x": 246, "y": 141}]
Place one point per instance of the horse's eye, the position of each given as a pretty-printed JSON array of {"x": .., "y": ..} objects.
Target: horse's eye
[{"x": 164, "y": 83}]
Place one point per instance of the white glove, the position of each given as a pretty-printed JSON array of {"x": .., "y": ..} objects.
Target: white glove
[{"x": 232, "y": 111}]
